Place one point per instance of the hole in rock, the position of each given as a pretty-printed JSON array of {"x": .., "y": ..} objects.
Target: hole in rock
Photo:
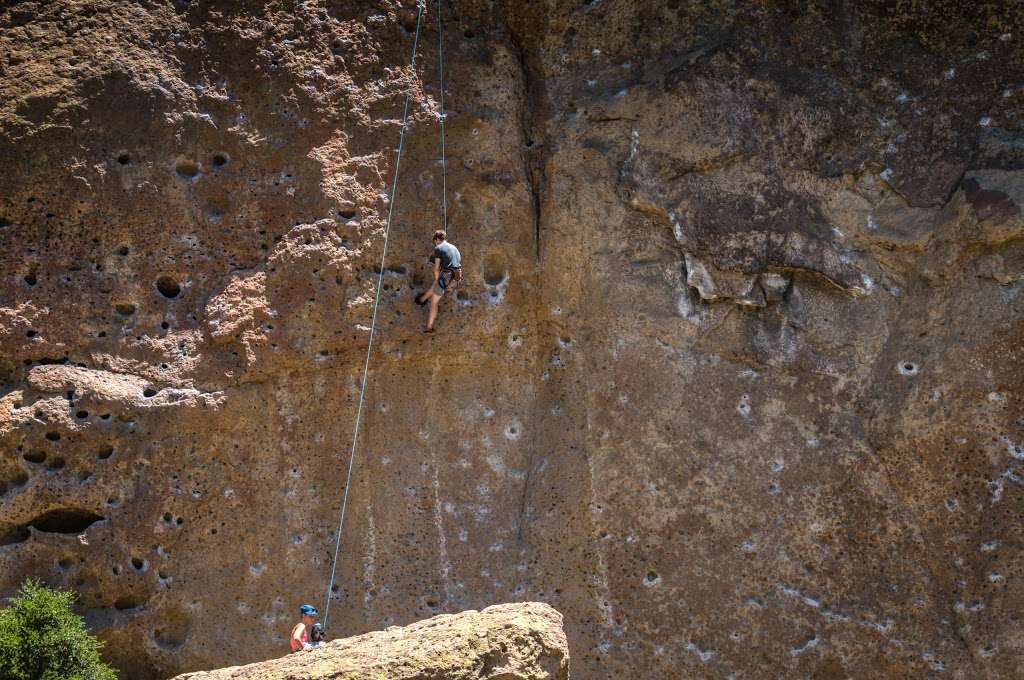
[
  {"x": 124, "y": 159},
  {"x": 12, "y": 535},
  {"x": 168, "y": 517},
  {"x": 220, "y": 160},
  {"x": 908, "y": 368},
  {"x": 57, "y": 464},
  {"x": 124, "y": 308},
  {"x": 172, "y": 630},
  {"x": 122, "y": 251},
  {"x": 105, "y": 452},
  {"x": 139, "y": 564},
  {"x": 53, "y": 436},
  {"x": 35, "y": 456},
  {"x": 82, "y": 415},
  {"x": 105, "y": 416},
  {"x": 64, "y": 563},
  {"x": 149, "y": 392},
  {"x": 65, "y": 521},
  {"x": 30, "y": 279},
  {"x": 168, "y": 287},
  {"x": 186, "y": 167},
  {"x": 347, "y": 214},
  {"x": 127, "y": 602},
  {"x": 495, "y": 271},
  {"x": 31, "y": 333}
]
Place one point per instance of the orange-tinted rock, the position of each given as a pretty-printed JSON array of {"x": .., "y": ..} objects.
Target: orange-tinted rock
[{"x": 734, "y": 379}]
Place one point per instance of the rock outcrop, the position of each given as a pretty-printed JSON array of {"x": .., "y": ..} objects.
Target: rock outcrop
[
  {"x": 734, "y": 379},
  {"x": 504, "y": 642}
]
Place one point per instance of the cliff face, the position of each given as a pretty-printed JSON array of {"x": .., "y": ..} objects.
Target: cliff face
[{"x": 734, "y": 380}]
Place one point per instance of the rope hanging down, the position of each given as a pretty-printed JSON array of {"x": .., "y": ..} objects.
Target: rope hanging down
[
  {"x": 380, "y": 281},
  {"x": 444, "y": 162}
]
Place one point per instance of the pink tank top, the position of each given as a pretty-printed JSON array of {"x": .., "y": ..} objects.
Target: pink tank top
[{"x": 304, "y": 640}]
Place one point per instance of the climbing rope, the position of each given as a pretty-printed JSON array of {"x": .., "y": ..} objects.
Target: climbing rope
[
  {"x": 444, "y": 162},
  {"x": 376, "y": 304}
]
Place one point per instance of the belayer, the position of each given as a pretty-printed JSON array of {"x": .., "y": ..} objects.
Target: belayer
[
  {"x": 300, "y": 638},
  {"x": 447, "y": 270}
]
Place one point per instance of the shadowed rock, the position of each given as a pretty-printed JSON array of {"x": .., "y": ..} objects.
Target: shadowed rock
[{"x": 504, "y": 642}]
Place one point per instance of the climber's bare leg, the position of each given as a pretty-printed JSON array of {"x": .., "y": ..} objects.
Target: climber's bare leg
[{"x": 435, "y": 301}]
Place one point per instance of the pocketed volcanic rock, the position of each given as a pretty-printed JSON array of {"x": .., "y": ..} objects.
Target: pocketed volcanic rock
[{"x": 734, "y": 377}]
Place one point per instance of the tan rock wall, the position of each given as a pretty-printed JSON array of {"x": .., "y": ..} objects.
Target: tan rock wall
[{"x": 734, "y": 380}]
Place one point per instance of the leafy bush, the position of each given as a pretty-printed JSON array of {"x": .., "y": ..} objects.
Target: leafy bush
[{"x": 42, "y": 639}]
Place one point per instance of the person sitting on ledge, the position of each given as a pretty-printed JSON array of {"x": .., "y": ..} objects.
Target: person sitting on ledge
[{"x": 300, "y": 633}]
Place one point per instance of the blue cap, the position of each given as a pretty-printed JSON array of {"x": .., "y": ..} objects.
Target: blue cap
[{"x": 308, "y": 610}]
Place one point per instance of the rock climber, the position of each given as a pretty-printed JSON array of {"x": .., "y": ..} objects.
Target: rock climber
[
  {"x": 447, "y": 264},
  {"x": 300, "y": 633}
]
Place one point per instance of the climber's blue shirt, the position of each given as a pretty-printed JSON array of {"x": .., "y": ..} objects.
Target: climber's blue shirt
[{"x": 449, "y": 256}]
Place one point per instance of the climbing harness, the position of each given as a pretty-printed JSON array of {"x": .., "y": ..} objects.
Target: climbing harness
[{"x": 421, "y": 7}]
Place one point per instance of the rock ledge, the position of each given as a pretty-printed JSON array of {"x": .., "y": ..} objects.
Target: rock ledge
[{"x": 522, "y": 641}]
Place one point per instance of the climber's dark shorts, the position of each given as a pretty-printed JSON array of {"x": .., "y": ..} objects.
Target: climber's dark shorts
[{"x": 443, "y": 282}]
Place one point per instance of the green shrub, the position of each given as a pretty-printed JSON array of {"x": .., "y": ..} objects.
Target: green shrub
[{"x": 42, "y": 639}]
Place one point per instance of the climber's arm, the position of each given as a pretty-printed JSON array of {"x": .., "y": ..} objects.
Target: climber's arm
[{"x": 296, "y": 641}]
